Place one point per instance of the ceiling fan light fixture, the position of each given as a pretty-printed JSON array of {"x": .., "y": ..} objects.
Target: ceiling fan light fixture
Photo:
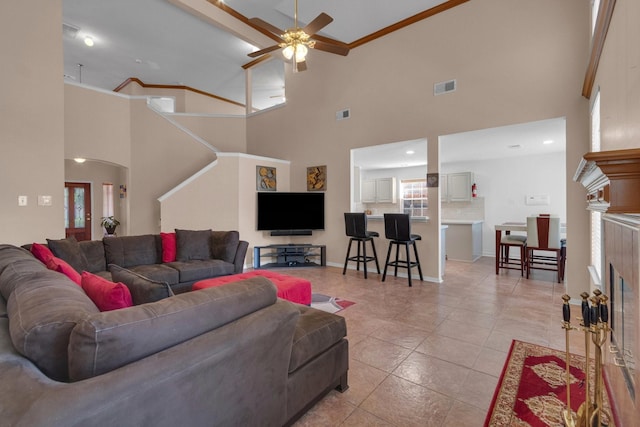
[{"x": 299, "y": 50}]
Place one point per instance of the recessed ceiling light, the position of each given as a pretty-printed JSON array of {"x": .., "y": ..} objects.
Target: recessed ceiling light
[
  {"x": 514, "y": 146},
  {"x": 88, "y": 41},
  {"x": 548, "y": 141},
  {"x": 410, "y": 152},
  {"x": 79, "y": 159}
]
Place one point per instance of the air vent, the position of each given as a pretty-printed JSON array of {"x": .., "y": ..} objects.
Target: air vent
[
  {"x": 444, "y": 87},
  {"x": 343, "y": 114},
  {"x": 69, "y": 31}
]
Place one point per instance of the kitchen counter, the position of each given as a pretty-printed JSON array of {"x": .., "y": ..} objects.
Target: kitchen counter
[
  {"x": 462, "y": 221},
  {"x": 413, "y": 218}
]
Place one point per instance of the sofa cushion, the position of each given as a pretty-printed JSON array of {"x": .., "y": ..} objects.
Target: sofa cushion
[
  {"x": 193, "y": 244},
  {"x": 143, "y": 290},
  {"x": 93, "y": 251},
  {"x": 43, "y": 308},
  {"x": 316, "y": 331},
  {"x": 168, "y": 247},
  {"x": 61, "y": 266},
  {"x": 198, "y": 270},
  {"x": 105, "y": 294},
  {"x": 15, "y": 264},
  {"x": 224, "y": 245},
  {"x": 158, "y": 272},
  {"x": 41, "y": 252},
  {"x": 128, "y": 251},
  {"x": 108, "y": 340},
  {"x": 69, "y": 250}
]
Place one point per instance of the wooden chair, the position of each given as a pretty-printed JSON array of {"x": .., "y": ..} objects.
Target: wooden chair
[
  {"x": 543, "y": 238},
  {"x": 356, "y": 228},
  {"x": 397, "y": 228},
  {"x": 506, "y": 243}
]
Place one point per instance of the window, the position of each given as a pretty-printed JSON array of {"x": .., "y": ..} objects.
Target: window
[
  {"x": 163, "y": 104},
  {"x": 107, "y": 199},
  {"x": 414, "y": 196},
  {"x": 596, "y": 217}
]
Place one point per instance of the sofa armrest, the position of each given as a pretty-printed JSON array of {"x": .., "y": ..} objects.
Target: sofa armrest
[
  {"x": 241, "y": 253},
  {"x": 233, "y": 375},
  {"x": 97, "y": 343}
]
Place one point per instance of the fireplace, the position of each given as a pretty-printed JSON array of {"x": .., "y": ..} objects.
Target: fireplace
[{"x": 612, "y": 180}]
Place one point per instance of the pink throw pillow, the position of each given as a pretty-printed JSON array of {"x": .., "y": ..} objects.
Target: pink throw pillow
[
  {"x": 61, "y": 266},
  {"x": 41, "y": 252},
  {"x": 105, "y": 294},
  {"x": 168, "y": 247}
]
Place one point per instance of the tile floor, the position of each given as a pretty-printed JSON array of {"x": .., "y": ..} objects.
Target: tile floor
[{"x": 431, "y": 355}]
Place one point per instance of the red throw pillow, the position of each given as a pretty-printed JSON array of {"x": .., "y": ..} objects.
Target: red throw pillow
[
  {"x": 105, "y": 294},
  {"x": 168, "y": 247},
  {"x": 41, "y": 252},
  {"x": 61, "y": 266}
]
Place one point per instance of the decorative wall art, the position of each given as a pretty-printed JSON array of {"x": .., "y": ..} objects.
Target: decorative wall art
[
  {"x": 432, "y": 180},
  {"x": 317, "y": 178},
  {"x": 266, "y": 178}
]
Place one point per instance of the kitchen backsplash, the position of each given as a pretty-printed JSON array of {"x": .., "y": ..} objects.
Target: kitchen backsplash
[{"x": 463, "y": 210}]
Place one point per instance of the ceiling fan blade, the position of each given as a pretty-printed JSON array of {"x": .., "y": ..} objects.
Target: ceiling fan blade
[
  {"x": 301, "y": 66},
  {"x": 317, "y": 24},
  {"x": 338, "y": 49},
  {"x": 263, "y": 51},
  {"x": 266, "y": 26}
]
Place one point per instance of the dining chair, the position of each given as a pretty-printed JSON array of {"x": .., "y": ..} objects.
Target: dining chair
[
  {"x": 513, "y": 241},
  {"x": 356, "y": 228},
  {"x": 397, "y": 228},
  {"x": 543, "y": 238}
]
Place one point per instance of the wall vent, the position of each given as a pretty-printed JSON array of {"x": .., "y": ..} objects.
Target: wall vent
[
  {"x": 343, "y": 114},
  {"x": 69, "y": 31},
  {"x": 444, "y": 87}
]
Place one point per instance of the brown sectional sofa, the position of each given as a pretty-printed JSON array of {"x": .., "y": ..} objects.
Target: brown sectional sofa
[{"x": 233, "y": 355}]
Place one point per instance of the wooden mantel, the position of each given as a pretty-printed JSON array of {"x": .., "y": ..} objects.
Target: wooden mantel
[{"x": 612, "y": 180}]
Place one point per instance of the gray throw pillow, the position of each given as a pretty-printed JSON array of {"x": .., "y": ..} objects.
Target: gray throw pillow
[
  {"x": 193, "y": 244},
  {"x": 69, "y": 250},
  {"x": 143, "y": 290}
]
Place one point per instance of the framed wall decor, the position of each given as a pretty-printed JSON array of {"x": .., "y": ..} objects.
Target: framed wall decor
[
  {"x": 266, "y": 178},
  {"x": 317, "y": 178},
  {"x": 432, "y": 180}
]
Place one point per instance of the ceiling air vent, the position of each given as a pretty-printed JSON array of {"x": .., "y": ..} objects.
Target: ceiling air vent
[
  {"x": 69, "y": 31},
  {"x": 343, "y": 114},
  {"x": 444, "y": 87}
]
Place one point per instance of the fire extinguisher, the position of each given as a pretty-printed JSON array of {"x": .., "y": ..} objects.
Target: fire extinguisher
[{"x": 474, "y": 190}]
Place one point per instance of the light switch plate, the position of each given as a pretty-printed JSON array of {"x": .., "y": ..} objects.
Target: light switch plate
[
  {"x": 45, "y": 200},
  {"x": 22, "y": 200}
]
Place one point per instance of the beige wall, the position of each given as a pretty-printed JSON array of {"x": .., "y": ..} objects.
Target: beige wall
[
  {"x": 514, "y": 61},
  {"x": 227, "y": 134},
  {"x": 618, "y": 80},
  {"x": 31, "y": 120}
]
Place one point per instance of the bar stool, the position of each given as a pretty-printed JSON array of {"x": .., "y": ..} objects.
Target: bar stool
[
  {"x": 506, "y": 262},
  {"x": 356, "y": 228},
  {"x": 397, "y": 228}
]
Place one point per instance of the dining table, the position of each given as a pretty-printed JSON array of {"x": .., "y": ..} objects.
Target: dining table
[{"x": 508, "y": 227}]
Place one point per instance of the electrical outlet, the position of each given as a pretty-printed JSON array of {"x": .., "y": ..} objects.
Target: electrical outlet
[{"x": 22, "y": 200}]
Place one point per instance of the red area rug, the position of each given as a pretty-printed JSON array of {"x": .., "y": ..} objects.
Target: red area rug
[{"x": 532, "y": 388}]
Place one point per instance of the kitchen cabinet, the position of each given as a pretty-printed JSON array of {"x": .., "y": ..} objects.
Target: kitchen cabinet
[
  {"x": 464, "y": 239},
  {"x": 414, "y": 197},
  {"x": 456, "y": 187},
  {"x": 380, "y": 190}
]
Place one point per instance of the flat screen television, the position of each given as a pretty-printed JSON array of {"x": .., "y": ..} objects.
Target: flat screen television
[{"x": 290, "y": 214}]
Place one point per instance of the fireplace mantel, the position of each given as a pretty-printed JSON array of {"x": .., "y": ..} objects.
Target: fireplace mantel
[{"x": 612, "y": 180}]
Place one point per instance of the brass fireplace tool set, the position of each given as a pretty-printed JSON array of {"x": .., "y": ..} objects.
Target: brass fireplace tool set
[{"x": 595, "y": 324}]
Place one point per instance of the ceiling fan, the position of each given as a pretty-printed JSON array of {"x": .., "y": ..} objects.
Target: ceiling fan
[{"x": 296, "y": 42}]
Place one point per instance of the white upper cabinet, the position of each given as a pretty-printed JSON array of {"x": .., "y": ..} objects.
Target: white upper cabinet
[
  {"x": 381, "y": 190},
  {"x": 456, "y": 187}
]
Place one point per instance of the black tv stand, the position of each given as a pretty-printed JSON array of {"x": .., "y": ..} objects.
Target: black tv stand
[{"x": 290, "y": 255}]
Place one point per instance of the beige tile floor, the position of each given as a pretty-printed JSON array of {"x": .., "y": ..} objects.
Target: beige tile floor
[{"x": 431, "y": 355}]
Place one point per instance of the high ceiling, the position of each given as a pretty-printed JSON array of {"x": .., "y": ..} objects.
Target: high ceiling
[{"x": 158, "y": 42}]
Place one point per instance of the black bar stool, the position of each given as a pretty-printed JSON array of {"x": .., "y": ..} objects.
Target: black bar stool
[
  {"x": 397, "y": 228},
  {"x": 356, "y": 228}
]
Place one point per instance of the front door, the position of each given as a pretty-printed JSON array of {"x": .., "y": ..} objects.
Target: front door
[{"x": 77, "y": 210}]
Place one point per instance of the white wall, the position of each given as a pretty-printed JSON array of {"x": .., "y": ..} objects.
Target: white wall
[{"x": 504, "y": 183}]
